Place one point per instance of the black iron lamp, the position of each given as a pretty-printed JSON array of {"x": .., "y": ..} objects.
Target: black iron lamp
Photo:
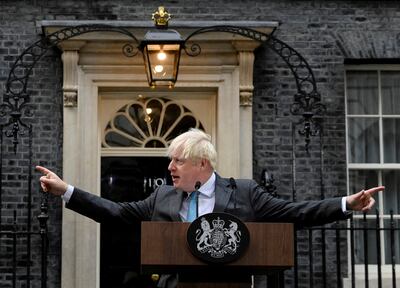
[{"x": 161, "y": 50}]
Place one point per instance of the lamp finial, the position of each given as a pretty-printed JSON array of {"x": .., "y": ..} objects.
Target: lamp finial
[{"x": 161, "y": 17}]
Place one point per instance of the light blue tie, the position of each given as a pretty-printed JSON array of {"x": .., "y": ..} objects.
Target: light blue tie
[{"x": 192, "y": 209}]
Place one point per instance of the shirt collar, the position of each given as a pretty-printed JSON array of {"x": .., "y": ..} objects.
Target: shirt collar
[{"x": 208, "y": 188}]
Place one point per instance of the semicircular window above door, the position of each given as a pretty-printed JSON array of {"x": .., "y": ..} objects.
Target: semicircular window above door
[{"x": 148, "y": 123}]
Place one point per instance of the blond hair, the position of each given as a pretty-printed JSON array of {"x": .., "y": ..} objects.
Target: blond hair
[{"x": 194, "y": 145}]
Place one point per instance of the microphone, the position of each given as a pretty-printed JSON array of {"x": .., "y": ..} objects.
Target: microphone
[
  {"x": 233, "y": 186},
  {"x": 197, "y": 185}
]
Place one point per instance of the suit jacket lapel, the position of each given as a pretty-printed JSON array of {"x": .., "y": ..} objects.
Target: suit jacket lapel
[
  {"x": 175, "y": 203},
  {"x": 222, "y": 194}
]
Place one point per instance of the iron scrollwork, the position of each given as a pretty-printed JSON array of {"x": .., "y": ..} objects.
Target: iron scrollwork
[
  {"x": 307, "y": 101},
  {"x": 16, "y": 98},
  {"x": 195, "y": 48}
]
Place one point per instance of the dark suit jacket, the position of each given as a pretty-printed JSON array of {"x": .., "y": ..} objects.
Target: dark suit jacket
[{"x": 253, "y": 203}]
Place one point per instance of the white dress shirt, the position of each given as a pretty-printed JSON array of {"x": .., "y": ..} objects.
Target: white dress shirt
[
  {"x": 67, "y": 195},
  {"x": 206, "y": 199}
]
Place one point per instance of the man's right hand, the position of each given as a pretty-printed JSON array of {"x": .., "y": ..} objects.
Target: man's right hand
[{"x": 50, "y": 182}]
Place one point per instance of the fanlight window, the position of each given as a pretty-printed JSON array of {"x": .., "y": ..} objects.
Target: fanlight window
[{"x": 148, "y": 123}]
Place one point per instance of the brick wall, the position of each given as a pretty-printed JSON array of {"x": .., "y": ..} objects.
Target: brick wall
[{"x": 324, "y": 32}]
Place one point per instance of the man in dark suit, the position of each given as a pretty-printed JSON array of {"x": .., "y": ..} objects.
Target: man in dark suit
[{"x": 193, "y": 161}]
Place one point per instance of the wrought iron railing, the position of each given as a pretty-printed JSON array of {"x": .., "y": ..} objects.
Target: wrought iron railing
[{"x": 333, "y": 262}]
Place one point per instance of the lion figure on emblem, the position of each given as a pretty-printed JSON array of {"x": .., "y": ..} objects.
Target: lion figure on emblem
[{"x": 203, "y": 238}]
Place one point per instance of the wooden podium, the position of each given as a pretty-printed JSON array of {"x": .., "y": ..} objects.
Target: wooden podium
[{"x": 164, "y": 250}]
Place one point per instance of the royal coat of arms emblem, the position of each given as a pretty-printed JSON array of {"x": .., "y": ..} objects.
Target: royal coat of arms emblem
[{"x": 218, "y": 237}]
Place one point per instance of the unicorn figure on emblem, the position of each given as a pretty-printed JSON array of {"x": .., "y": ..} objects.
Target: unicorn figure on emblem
[{"x": 233, "y": 235}]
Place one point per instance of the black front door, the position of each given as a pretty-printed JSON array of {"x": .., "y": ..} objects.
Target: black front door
[{"x": 125, "y": 179}]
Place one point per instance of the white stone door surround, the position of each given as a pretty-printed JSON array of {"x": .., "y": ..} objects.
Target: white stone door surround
[{"x": 94, "y": 61}]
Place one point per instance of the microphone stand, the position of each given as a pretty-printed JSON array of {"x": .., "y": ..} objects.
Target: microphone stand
[
  {"x": 233, "y": 186},
  {"x": 197, "y": 187}
]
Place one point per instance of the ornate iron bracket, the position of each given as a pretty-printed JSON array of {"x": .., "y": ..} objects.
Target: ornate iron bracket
[
  {"x": 307, "y": 101},
  {"x": 16, "y": 98}
]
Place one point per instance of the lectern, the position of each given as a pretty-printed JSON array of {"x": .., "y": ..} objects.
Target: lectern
[{"x": 164, "y": 251}]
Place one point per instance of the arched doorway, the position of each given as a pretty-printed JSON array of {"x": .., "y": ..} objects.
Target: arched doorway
[{"x": 144, "y": 123}]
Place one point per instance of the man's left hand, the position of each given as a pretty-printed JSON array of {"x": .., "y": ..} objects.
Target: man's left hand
[{"x": 363, "y": 200}]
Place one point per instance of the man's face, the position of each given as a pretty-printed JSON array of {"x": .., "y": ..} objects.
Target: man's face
[{"x": 184, "y": 172}]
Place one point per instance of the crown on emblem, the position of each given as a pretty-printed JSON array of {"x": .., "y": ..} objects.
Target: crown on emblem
[{"x": 218, "y": 223}]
